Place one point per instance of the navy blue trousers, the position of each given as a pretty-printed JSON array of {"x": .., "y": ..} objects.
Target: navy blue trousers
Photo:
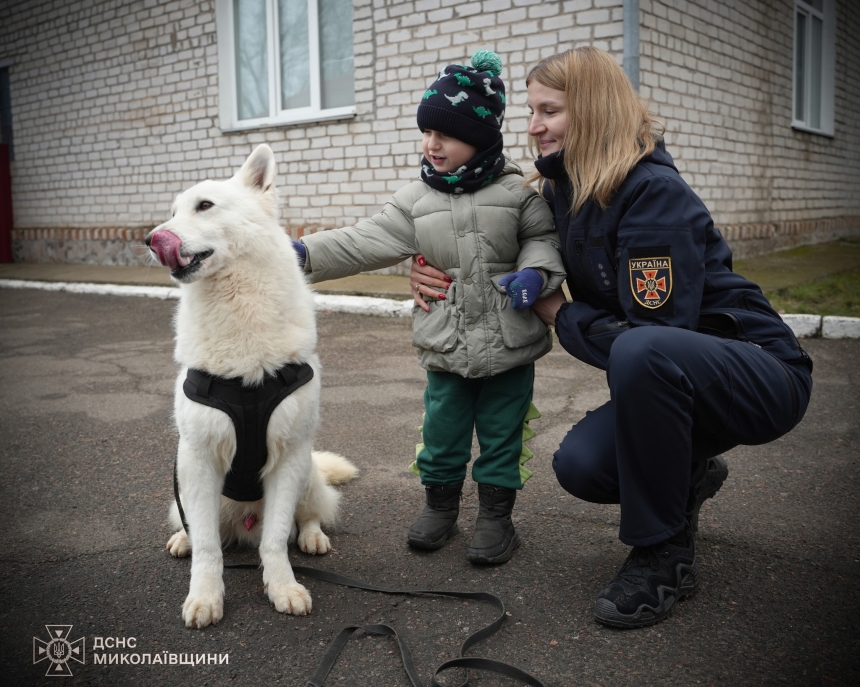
[{"x": 676, "y": 396}]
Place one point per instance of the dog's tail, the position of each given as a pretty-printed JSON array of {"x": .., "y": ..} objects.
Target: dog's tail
[{"x": 334, "y": 468}]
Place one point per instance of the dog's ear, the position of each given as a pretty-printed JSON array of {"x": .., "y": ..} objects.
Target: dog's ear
[{"x": 258, "y": 172}]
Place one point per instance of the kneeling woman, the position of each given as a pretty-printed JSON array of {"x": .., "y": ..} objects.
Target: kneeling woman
[{"x": 696, "y": 359}]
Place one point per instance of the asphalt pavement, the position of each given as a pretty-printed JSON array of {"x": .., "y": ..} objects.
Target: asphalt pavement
[{"x": 86, "y": 449}]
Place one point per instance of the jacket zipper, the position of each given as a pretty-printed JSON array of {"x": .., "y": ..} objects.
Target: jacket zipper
[{"x": 586, "y": 271}]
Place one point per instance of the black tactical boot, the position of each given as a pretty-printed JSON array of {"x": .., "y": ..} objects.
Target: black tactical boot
[
  {"x": 438, "y": 521},
  {"x": 649, "y": 583},
  {"x": 494, "y": 540},
  {"x": 705, "y": 481}
]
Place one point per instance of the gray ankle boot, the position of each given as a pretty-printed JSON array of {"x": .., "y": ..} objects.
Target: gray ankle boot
[
  {"x": 438, "y": 521},
  {"x": 494, "y": 540}
]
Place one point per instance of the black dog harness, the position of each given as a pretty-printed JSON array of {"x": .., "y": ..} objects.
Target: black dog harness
[{"x": 250, "y": 409}]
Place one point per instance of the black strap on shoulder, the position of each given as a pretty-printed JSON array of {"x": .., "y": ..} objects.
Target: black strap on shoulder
[
  {"x": 249, "y": 408},
  {"x": 463, "y": 662}
]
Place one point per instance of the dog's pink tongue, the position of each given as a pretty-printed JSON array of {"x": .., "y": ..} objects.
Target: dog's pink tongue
[
  {"x": 250, "y": 521},
  {"x": 166, "y": 245}
]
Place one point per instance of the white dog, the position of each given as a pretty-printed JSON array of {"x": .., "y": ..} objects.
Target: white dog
[{"x": 245, "y": 312}]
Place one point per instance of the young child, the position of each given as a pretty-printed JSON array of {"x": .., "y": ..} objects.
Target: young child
[{"x": 470, "y": 216}]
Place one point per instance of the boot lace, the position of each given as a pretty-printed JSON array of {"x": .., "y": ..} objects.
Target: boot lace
[{"x": 640, "y": 559}]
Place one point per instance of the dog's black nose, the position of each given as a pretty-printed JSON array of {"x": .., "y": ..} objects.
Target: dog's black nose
[{"x": 148, "y": 239}]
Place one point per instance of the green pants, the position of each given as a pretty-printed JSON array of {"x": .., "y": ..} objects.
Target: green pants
[{"x": 495, "y": 407}]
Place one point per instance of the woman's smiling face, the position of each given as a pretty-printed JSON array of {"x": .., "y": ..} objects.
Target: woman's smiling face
[{"x": 549, "y": 118}]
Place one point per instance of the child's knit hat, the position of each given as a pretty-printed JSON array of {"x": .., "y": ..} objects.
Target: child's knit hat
[{"x": 467, "y": 103}]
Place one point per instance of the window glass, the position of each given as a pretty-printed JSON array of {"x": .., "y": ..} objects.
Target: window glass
[
  {"x": 295, "y": 61},
  {"x": 799, "y": 83},
  {"x": 815, "y": 74},
  {"x": 288, "y": 61},
  {"x": 336, "y": 60},
  {"x": 6, "y": 112},
  {"x": 252, "y": 83}
]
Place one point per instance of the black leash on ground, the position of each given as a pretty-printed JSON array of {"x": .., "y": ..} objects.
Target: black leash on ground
[
  {"x": 466, "y": 662},
  {"x": 337, "y": 644}
]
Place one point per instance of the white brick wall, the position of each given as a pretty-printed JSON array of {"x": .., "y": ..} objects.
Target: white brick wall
[
  {"x": 719, "y": 74},
  {"x": 115, "y": 105}
]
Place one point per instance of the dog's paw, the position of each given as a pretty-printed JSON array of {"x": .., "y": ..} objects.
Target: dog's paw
[
  {"x": 314, "y": 540},
  {"x": 289, "y": 598},
  {"x": 178, "y": 545},
  {"x": 203, "y": 610}
]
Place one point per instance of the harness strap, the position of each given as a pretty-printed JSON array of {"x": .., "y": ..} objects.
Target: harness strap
[
  {"x": 463, "y": 662},
  {"x": 249, "y": 409},
  {"x": 204, "y": 381}
]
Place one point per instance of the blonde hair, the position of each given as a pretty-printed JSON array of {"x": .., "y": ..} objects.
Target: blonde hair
[{"x": 609, "y": 128}]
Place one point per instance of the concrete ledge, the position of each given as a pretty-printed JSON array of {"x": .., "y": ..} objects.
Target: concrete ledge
[
  {"x": 359, "y": 305},
  {"x": 803, "y": 326},
  {"x": 364, "y": 284},
  {"x": 828, "y": 327},
  {"x": 363, "y": 305},
  {"x": 162, "y": 292},
  {"x": 833, "y": 327}
]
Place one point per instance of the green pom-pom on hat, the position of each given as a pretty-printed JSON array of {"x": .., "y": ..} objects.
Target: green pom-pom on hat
[{"x": 487, "y": 61}]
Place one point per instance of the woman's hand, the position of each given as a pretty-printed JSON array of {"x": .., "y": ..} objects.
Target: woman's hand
[
  {"x": 426, "y": 281},
  {"x": 546, "y": 308}
]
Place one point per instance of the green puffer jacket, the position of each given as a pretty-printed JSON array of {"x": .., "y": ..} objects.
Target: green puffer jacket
[{"x": 476, "y": 238}]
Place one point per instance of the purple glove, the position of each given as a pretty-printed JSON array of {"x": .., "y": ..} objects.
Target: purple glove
[
  {"x": 523, "y": 287},
  {"x": 301, "y": 252}
]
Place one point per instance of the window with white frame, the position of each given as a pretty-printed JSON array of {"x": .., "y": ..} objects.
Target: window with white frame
[
  {"x": 284, "y": 62},
  {"x": 814, "y": 65}
]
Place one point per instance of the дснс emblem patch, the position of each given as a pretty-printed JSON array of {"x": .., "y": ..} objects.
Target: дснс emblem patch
[{"x": 651, "y": 280}]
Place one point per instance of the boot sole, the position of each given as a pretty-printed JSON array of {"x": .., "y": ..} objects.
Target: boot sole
[
  {"x": 606, "y": 613},
  {"x": 433, "y": 545},
  {"x": 501, "y": 558}
]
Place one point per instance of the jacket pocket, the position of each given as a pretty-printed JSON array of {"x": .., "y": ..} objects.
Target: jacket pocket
[
  {"x": 520, "y": 328},
  {"x": 436, "y": 330}
]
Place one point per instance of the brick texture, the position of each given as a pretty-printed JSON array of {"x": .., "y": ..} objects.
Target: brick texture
[
  {"x": 719, "y": 74},
  {"x": 115, "y": 111}
]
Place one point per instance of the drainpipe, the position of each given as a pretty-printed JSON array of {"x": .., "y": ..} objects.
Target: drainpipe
[{"x": 631, "y": 41}]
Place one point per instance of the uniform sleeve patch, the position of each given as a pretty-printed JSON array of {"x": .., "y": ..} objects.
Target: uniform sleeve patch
[{"x": 651, "y": 280}]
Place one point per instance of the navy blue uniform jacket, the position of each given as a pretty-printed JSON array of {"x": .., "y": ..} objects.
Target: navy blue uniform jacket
[{"x": 653, "y": 257}]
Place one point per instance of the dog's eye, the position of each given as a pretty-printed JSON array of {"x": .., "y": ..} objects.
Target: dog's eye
[{"x": 204, "y": 205}]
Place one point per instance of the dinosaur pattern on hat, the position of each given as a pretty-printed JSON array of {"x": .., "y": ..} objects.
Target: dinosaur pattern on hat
[{"x": 457, "y": 99}]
